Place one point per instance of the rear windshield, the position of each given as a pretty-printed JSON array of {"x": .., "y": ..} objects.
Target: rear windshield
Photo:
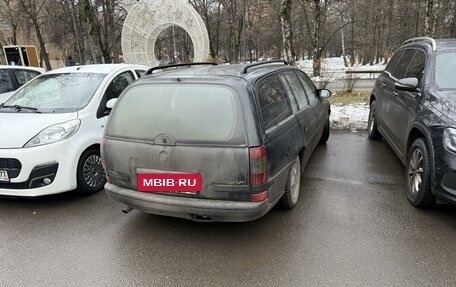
[
  {"x": 445, "y": 70},
  {"x": 187, "y": 112}
]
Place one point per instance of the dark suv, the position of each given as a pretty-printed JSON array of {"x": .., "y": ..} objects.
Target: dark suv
[
  {"x": 413, "y": 106},
  {"x": 214, "y": 143}
]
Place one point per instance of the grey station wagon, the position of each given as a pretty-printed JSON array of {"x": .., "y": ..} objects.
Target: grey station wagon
[{"x": 214, "y": 143}]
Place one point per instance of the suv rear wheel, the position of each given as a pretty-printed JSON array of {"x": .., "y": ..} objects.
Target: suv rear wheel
[
  {"x": 372, "y": 123},
  {"x": 418, "y": 186},
  {"x": 291, "y": 195},
  {"x": 91, "y": 176}
]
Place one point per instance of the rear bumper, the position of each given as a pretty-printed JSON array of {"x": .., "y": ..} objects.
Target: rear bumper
[{"x": 195, "y": 209}]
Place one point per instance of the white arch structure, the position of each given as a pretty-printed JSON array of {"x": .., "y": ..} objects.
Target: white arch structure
[{"x": 146, "y": 19}]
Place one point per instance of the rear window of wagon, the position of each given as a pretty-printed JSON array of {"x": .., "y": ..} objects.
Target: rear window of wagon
[{"x": 187, "y": 112}]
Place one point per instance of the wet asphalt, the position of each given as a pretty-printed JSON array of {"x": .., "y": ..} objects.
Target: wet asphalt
[{"x": 351, "y": 227}]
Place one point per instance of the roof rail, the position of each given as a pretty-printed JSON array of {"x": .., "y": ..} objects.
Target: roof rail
[
  {"x": 425, "y": 39},
  {"x": 246, "y": 68},
  {"x": 151, "y": 70}
]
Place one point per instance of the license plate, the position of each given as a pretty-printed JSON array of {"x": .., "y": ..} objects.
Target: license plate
[
  {"x": 4, "y": 175},
  {"x": 170, "y": 182}
]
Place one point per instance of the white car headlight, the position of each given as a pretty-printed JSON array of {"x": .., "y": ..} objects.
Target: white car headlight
[
  {"x": 449, "y": 139},
  {"x": 55, "y": 133}
]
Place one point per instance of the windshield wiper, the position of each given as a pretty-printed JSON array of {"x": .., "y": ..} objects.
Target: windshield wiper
[{"x": 19, "y": 108}]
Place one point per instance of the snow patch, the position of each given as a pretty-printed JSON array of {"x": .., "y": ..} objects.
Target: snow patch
[
  {"x": 334, "y": 68},
  {"x": 352, "y": 116}
]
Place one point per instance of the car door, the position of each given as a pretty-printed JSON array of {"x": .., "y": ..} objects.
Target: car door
[
  {"x": 384, "y": 90},
  {"x": 395, "y": 108},
  {"x": 406, "y": 102},
  {"x": 304, "y": 113},
  {"x": 280, "y": 129},
  {"x": 319, "y": 113},
  {"x": 390, "y": 108},
  {"x": 114, "y": 89}
]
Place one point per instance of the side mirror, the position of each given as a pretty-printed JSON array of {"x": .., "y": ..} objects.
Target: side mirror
[
  {"x": 110, "y": 104},
  {"x": 407, "y": 84},
  {"x": 324, "y": 93}
]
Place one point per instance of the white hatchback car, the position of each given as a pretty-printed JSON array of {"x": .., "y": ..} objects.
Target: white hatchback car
[
  {"x": 50, "y": 129},
  {"x": 14, "y": 77}
]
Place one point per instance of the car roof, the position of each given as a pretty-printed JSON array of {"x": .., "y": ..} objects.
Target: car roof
[
  {"x": 446, "y": 44},
  {"x": 221, "y": 71},
  {"x": 436, "y": 44},
  {"x": 96, "y": 68},
  {"x": 37, "y": 69}
]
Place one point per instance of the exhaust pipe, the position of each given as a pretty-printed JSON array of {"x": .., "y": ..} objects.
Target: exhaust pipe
[{"x": 127, "y": 209}]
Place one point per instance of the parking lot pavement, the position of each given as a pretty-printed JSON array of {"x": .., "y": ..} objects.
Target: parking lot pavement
[{"x": 351, "y": 227}]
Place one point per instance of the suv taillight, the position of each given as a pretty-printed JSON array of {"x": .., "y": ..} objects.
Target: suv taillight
[{"x": 258, "y": 165}]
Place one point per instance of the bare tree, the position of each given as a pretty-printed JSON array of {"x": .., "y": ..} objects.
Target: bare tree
[
  {"x": 241, "y": 29},
  {"x": 210, "y": 11},
  {"x": 63, "y": 28},
  {"x": 104, "y": 18},
  {"x": 235, "y": 15},
  {"x": 33, "y": 10}
]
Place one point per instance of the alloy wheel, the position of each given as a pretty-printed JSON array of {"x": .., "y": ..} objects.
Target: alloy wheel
[
  {"x": 371, "y": 119},
  {"x": 93, "y": 171},
  {"x": 415, "y": 171},
  {"x": 295, "y": 176}
]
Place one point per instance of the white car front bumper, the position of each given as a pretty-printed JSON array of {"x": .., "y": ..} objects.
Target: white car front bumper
[{"x": 57, "y": 162}]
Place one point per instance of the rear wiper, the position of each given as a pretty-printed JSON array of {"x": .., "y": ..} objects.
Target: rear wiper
[{"x": 20, "y": 108}]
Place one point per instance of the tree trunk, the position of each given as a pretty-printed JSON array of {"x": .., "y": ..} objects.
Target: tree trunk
[
  {"x": 343, "y": 49},
  {"x": 76, "y": 33},
  {"x": 95, "y": 30},
  {"x": 429, "y": 19},
  {"x": 39, "y": 36},
  {"x": 353, "y": 53},
  {"x": 14, "y": 40},
  {"x": 287, "y": 33},
  {"x": 240, "y": 29},
  {"x": 317, "y": 39},
  {"x": 388, "y": 52}
]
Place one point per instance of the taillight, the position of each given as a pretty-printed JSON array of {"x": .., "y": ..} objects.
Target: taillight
[
  {"x": 258, "y": 165},
  {"x": 259, "y": 197}
]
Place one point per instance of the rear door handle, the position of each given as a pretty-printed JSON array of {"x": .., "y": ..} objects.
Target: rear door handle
[
  {"x": 395, "y": 93},
  {"x": 383, "y": 84}
]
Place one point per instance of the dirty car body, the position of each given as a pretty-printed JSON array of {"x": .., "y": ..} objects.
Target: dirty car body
[{"x": 213, "y": 122}]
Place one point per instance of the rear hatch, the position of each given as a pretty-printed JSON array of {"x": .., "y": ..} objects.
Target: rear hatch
[{"x": 177, "y": 128}]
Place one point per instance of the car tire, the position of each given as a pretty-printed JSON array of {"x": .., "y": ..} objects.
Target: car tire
[
  {"x": 291, "y": 195},
  {"x": 326, "y": 130},
  {"x": 91, "y": 176},
  {"x": 372, "y": 123},
  {"x": 417, "y": 168}
]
